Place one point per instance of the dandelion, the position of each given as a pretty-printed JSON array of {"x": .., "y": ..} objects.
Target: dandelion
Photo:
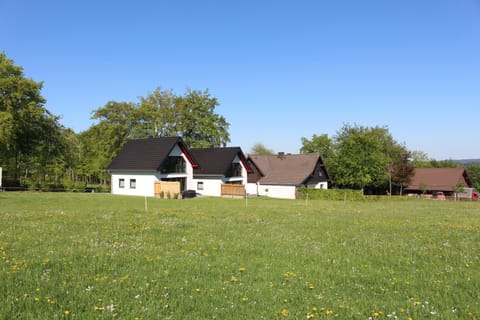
[
  {"x": 234, "y": 279},
  {"x": 284, "y": 313},
  {"x": 66, "y": 312},
  {"x": 289, "y": 274},
  {"x": 197, "y": 290},
  {"x": 311, "y": 286},
  {"x": 242, "y": 269},
  {"x": 36, "y": 299}
]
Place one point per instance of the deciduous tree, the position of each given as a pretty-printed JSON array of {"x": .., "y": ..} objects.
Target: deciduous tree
[
  {"x": 25, "y": 124},
  {"x": 260, "y": 149},
  {"x": 321, "y": 144},
  {"x": 362, "y": 156}
]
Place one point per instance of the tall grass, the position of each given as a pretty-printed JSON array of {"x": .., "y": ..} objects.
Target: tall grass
[{"x": 85, "y": 256}]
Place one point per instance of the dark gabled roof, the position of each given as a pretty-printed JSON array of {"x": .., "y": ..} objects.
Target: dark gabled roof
[
  {"x": 439, "y": 179},
  {"x": 147, "y": 154},
  {"x": 217, "y": 161},
  {"x": 289, "y": 169}
]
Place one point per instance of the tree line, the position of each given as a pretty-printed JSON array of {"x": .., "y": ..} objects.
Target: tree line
[{"x": 36, "y": 151}]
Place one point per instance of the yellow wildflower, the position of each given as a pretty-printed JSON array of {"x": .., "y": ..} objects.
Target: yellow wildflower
[{"x": 284, "y": 313}]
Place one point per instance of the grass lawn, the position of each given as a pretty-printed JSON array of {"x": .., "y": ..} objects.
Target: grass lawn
[{"x": 86, "y": 256}]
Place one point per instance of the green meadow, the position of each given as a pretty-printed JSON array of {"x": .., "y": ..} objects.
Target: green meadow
[{"x": 99, "y": 256}]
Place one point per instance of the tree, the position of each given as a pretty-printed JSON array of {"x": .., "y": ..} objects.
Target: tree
[
  {"x": 402, "y": 172},
  {"x": 100, "y": 144},
  {"x": 260, "y": 149},
  {"x": 420, "y": 159},
  {"x": 473, "y": 171},
  {"x": 318, "y": 144},
  {"x": 362, "y": 156},
  {"x": 157, "y": 115},
  {"x": 25, "y": 124},
  {"x": 198, "y": 124}
]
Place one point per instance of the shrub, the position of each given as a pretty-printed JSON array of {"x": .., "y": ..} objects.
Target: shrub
[{"x": 331, "y": 194}]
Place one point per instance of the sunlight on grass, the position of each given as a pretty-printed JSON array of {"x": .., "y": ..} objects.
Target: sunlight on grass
[{"x": 102, "y": 256}]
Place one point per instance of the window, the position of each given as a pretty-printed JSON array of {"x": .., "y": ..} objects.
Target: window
[
  {"x": 200, "y": 185},
  {"x": 235, "y": 170},
  {"x": 133, "y": 183},
  {"x": 121, "y": 183},
  {"x": 174, "y": 165}
]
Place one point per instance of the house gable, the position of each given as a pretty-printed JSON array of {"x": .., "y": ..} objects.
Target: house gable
[
  {"x": 149, "y": 154},
  {"x": 219, "y": 161},
  {"x": 318, "y": 175}
]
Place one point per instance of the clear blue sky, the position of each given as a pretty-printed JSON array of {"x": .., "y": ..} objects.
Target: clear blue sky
[{"x": 281, "y": 70}]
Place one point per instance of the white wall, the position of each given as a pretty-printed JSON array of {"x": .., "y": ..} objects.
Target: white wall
[
  {"x": 211, "y": 187},
  {"x": 144, "y": 184},
  {"x": 275, "y": 191},
  {"x": 320, "y": 185}
]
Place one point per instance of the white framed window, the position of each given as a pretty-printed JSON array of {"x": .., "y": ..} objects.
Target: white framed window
[
  {"x": 200, "y": 185},
  {"x": 121, "y": 183},
  {"x": 133, "y": 183}
]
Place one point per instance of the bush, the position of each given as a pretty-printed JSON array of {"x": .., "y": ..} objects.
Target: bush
[{"x": 331, "y": 194}]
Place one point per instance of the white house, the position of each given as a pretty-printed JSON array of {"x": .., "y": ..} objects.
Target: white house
[
  {"x": 217, "y": 167},
  {"x": 143, "y": 162},
  {"x": 279, "y": 176}
]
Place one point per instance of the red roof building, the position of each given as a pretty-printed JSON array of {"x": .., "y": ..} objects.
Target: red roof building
[{"x": 438, "y": 179}]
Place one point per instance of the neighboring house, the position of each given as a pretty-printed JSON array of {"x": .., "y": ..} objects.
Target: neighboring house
[
  {"x": 279, "y": 176},
  {"x": 433, "y": 180},
  {"x": 143, "y": 163},
  {"x": 218, "y": 167}
]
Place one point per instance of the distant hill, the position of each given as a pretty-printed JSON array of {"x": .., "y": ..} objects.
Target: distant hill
[{"x": 468, "y": 161}]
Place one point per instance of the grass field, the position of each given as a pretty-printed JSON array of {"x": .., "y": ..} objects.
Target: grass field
[{"x": 98, "y": 256}]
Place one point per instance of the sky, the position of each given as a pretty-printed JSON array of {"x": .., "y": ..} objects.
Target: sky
[{"x": 281, "y": 70}]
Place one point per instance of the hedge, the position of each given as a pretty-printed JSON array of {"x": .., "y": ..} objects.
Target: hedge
[{"x": 330, "y": 194}]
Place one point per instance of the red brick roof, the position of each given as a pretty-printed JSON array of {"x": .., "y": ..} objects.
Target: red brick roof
[{"x": 439, "y": 179}]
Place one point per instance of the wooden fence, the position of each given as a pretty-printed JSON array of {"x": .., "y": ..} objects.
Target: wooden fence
[
  {"x": 167, "y": 189},
  {"x": 233, "y": 190}
]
